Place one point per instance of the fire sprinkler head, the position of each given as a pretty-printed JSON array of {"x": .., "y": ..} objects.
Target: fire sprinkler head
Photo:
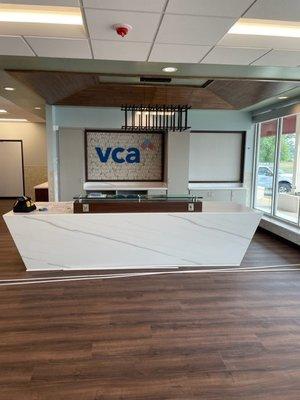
[{"x": 122, "y": 29}]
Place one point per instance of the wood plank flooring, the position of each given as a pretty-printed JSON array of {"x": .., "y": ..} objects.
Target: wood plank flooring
[{"x": 228, "y": 336}]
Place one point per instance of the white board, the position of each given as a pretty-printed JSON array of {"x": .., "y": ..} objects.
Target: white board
[
  {"x": 11, "y": 169},
  {"x": 215, "y": 156}
]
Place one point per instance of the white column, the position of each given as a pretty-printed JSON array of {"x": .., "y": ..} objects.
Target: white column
[
  {"x": 178, "y": 152},
  {"x": 52, "y": 153}
]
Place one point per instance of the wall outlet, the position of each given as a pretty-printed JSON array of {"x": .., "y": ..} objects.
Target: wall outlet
[
  {"x": 191, "y": 207},
  {"x": 85, "y": 208}
]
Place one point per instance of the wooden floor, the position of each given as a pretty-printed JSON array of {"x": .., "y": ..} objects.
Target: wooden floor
[{"x": 229, "y": 336}]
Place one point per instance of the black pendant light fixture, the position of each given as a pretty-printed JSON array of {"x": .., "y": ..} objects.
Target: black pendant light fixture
[{"x": 155, "y": 118}]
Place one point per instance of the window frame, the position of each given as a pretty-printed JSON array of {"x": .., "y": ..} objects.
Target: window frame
[{"x": 257, "y": 131}]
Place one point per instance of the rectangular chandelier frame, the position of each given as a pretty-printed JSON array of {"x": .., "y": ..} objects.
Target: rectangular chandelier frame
[{"x": 155, "y": 118}]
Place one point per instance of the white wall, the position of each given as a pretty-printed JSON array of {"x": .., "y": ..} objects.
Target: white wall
[
  {"x": 34, "y": 140},
  {"x": 71, "y": 162},
  {"x": 33, "y": 136},
  {"x": 178, "y": 162}
]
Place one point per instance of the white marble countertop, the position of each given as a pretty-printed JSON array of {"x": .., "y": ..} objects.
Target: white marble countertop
[
  {"x": 208, "y": 207},
  {"x": 59, "y": 240},
  {"x": 63, "y": 207},
  {"x": 124, "y": 185},
  {"x": 43, "y": 185}
]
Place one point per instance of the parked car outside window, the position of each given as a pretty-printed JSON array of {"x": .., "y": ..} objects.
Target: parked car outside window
[{"x": 265, "y": 177}]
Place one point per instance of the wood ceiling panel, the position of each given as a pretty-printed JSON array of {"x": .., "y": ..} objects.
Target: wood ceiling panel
[
  {"x": 84, "y": 89},
  {"x": 76, "y": 89},
  {"x": 115, "y": 95},
  {"x": 246, "y": 93},
  {"x": 54, "y": 86}
]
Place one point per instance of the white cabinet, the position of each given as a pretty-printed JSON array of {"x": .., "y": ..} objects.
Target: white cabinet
[
  {"x": 236, "y": 195},
  {"x": 157, "y": 192},
  {"x": 239, "y": 195}
]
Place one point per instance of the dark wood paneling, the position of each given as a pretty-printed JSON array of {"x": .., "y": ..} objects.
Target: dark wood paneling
[
  {"x": 241, "y": 93},
  {"x": 64, "y": 88},
  {"x": 41, "y": 194},
  {"x": 134, "y": 206},
  {"x": 54, "y": 86},
  {"x": 116, "y": 95},
  {"x": 84, "y": 89}
]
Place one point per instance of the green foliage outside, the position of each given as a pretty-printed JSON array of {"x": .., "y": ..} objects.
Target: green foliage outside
[{"x": 287, "y": 150}]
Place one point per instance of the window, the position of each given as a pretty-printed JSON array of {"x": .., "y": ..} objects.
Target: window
[
  {"x": 287, "y": 205},
  {"x": 277, "y": 168},
  {"x": 265, "y": 167}
]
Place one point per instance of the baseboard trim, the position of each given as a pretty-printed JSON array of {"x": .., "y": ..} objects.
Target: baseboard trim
[{"x": 284, "y": 232}]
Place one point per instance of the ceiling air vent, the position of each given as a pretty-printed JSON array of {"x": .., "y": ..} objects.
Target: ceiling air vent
[{"x": 155, "y": 79}]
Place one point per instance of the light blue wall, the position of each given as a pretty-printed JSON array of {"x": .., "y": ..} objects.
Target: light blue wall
[
  {"x": 223, "y": 120},
  {"x": 89, "y": 117},
  {"x": 113, "y": 118}
]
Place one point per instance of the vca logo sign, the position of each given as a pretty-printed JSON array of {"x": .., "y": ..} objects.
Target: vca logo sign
[{"x": 120, "y": 155}]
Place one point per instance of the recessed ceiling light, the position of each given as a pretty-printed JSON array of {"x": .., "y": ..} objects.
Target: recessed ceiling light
[
  {"x": 170, "y": 69},
  {"x": 13, "y": 120},
  {"x": 9, "y": 89},
  {"x": 2, "y": 111},
  {"x": 41, "y": 14},
  {"x": 282, "y": 97},
  {"x": 37, "y": 108},
  {"x": 245, "y": 26}
]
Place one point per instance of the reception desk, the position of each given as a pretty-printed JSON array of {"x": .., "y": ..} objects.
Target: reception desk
[{"x": 217, "y": 233}]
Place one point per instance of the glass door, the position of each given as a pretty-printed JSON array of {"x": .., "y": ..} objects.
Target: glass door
[
  {"x": 288, "y": 172},
  {"x": 265, "y": 166}
]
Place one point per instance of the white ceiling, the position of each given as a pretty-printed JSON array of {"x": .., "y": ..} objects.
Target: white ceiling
[
  {"x": 280, "y": 58},
  {"x": 217, "y": 8},
  {"x": 175, "y": 53},
  {"x": 59, "y": 47},
  {"x": 174, "y": 31},
  {"x": 284, "y": 10},
  {"x": 233, "y": 55},
  {"x": 112, "y": 50},
  {"x": 126, "y": 5}
]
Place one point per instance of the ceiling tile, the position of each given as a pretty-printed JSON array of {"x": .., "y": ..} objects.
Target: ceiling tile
[
  {"x": 60, "y": 3},
  {"x": 129, "y": 5},
  {"x": 217, "y": 8},
  {"x": 262, "y": 42},
  {"x": 100, "y": 24},
  {"x": 280, "y": 58},
  {"x": 284, "y": 10},
  {"x": 63, "y": 48},
  {"x": 233, "y": 55},
  {"x": 127, "y": 51},
  {"x": 183, "y": 29},
  {"x": 14, "y": 45},
  {"x": 178, "y": 53}
]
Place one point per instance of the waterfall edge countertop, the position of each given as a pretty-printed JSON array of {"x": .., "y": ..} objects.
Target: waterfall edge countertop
[{"x": 58, "y": 239}]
